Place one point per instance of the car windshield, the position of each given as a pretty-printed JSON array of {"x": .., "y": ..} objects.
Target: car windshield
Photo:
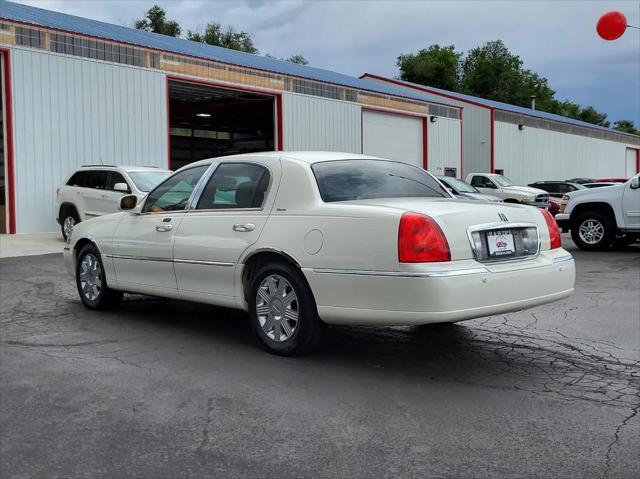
[
  {"x": 460, "y": 186},
  {"x": 147, "y": 180},
  {"x": 502, "y": 180},
  {"x": 345, "y": 180}
]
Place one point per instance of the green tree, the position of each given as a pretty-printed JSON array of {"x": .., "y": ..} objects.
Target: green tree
[
  {"x": 591, "y": 115},
  {"x": 215, "y": 34},
  {"x": 626, "y": 126},
  {"x": 156, "y": 21},
  {"x": 299, "y": 59},
  {"x": 493, "y": 72},
  {"x": 434, "y": 66}
]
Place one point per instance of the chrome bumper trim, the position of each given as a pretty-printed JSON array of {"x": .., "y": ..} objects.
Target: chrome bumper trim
[
  {"x": 403, "y": 274},
  {"x": 561, "y": 259}
]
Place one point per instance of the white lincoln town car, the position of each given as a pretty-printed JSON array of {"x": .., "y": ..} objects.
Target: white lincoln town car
[{"x": 304, "y": 239}]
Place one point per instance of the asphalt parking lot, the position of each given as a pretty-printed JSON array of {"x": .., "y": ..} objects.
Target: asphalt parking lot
[{"x": 161, "y": 389}]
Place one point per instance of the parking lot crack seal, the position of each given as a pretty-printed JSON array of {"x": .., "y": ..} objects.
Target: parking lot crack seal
[{"x": 616, "y": 438}]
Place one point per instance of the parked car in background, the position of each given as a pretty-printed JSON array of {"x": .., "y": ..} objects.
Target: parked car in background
[
  {"x": 554, "y": 205},
  {"x": 507, "y": 190},
  {"x": 299, "y": 239},
  {"x": 557, "y": 188},
  {"x": 580, "y": 181},
  {"x": 598, "y": 218},
  {"x": 600, "y": 184},
  {"x": 92, "y": 191},
  {"x": 464, "y": 190},
  {"x": 611, "y": 180}
]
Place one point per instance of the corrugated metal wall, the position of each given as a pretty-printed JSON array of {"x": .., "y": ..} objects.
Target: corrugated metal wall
[
  {"x": 533, "y": 154},
  {"x": 69, "y": 112},
  {"x": 476, "y": 126},
  {"x": 312, "y": 123},
  {"x": 443, "y": 145}
]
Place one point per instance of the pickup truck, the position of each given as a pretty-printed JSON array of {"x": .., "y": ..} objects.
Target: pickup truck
[
  {"x": 600, "y": 217},
  {"x": 507, "y": 190}
]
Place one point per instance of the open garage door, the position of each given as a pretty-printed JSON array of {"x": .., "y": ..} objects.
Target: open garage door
[
  {"x": 207, "y": 122},
  {"x": 393, "y": 136}
]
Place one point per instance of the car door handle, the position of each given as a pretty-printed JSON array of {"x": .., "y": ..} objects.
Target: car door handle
[
  {"x": 244, "y": 228},
  {"x": 164, "y": 228}
]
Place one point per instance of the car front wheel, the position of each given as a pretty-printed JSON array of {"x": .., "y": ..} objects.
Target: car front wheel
[
  {"x": 283, "y": 310},
  {"x": 91, "y": 283},
  {"x": 592, "y": 231}
]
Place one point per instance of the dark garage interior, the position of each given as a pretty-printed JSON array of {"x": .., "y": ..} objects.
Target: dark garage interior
[{"x": 207, "y": 122}]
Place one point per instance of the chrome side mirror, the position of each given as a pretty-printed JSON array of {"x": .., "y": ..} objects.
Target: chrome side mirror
[{"x": 128, "y": 202}]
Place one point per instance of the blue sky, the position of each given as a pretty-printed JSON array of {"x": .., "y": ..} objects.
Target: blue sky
[{"x": 557, "y": 39}]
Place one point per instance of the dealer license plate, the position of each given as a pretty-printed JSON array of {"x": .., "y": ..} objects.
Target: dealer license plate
[{"x": 500, "y": 243}]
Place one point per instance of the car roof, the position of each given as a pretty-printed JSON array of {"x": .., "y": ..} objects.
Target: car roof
[
  {"x": 309, "y": 157},
  {"x": 120, "y": 167}
]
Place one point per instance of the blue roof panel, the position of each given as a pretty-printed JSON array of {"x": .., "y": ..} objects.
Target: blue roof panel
[
  {"x": 70, "y": 23},
  {"x": 498, "y": 105}
]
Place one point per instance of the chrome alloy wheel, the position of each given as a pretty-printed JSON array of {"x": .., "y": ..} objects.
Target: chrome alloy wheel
[
  {"x": 90, "y": 277},
  {"x": 67, "y": 226},
  {"x": 591, "y": 231},
  {"x": 277, "y": 308}
]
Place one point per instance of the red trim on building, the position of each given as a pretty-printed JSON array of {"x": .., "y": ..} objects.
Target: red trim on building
[
  {"x": 168, "y": 128},
  {"x": 461, "y": 142},
  {"x": 279, "y": 133},
  {"x": 637, "y": 161},
  {"x": 493, "y": 139},
  {"x": 425, "y": 143},
  {"x": 279, "y": 124},
  {"x": 422, "y": 88},
  {"x": 10, "y": 179}
]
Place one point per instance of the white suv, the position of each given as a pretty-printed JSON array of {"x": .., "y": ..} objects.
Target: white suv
[{"x": 94, "y": 190}]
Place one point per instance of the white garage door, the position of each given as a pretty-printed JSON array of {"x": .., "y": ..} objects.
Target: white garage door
[
  {"x": 631, "y": 162},
  {"x": 392, "y": 136}
]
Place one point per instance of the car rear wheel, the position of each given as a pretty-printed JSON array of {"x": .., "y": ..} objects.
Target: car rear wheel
[
  {"x": 69, "y": 220},
  {"x": 91, "y": 283},
  {"x": 592, "y": 231},
  {"x": 283, "y": 310}
]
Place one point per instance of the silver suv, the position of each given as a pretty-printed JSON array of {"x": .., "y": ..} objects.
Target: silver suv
[{"x": 94, "y": 190}]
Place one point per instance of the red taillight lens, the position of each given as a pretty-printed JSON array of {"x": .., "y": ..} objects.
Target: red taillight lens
[
  {"x": 420, "y": 240},
  {"x": 554, "y": 231}
]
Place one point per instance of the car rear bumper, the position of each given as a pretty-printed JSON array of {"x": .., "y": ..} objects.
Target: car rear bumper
[
  {"x": 393, "y": 298},
  {"x": 563, "y": 221}
]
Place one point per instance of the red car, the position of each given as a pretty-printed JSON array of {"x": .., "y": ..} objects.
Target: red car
[
  {"x": 554, "y": 205},
  {"x": 611, "y": 180}
]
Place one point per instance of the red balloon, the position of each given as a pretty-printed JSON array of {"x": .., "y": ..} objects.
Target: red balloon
[{"x": 611, "y": 25}]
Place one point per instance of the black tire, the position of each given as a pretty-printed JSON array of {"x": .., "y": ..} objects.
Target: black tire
[
  {"x": 106, "y": 298},
  {"x": 598, "y": 220},
  {"x": 306, "y": 333},
  {"x": 67, "y": 214}
]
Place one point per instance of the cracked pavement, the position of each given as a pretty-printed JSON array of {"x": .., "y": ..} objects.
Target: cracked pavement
[{"x": 161, "y": 388}]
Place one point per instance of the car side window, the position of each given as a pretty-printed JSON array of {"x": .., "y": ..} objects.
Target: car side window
[
  {"x": 482, "y": 182},
  {"x": 562, "y": 188},
  {"x": 114, "y": 178},
  {"x": 96, "y": 179},
  {"x": 77, "y": 179},
  {"x": 173, "y": 194},
  {"x": 235, "y": 185}
]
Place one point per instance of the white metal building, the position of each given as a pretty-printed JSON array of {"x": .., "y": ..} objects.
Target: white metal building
[
  {"x": 529, "y": 145},
  {"x": 78, "y": 91}
]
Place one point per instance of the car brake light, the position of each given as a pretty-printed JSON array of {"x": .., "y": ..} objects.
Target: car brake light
[
  {"x": 420, "y": 240},
  {"x": 554, "y": 231}
]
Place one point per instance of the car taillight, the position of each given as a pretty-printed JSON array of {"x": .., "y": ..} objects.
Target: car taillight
[
  {"x": 554, "y": 231},
  {"x": 420, "y": 240}
]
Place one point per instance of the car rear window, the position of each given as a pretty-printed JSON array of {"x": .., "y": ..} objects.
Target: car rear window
[
  {"x": 77, "y": 179},
  {"x": 345, "y": 180}
]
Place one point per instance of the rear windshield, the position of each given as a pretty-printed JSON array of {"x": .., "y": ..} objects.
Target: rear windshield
[{"x": 345, "y": 180}]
